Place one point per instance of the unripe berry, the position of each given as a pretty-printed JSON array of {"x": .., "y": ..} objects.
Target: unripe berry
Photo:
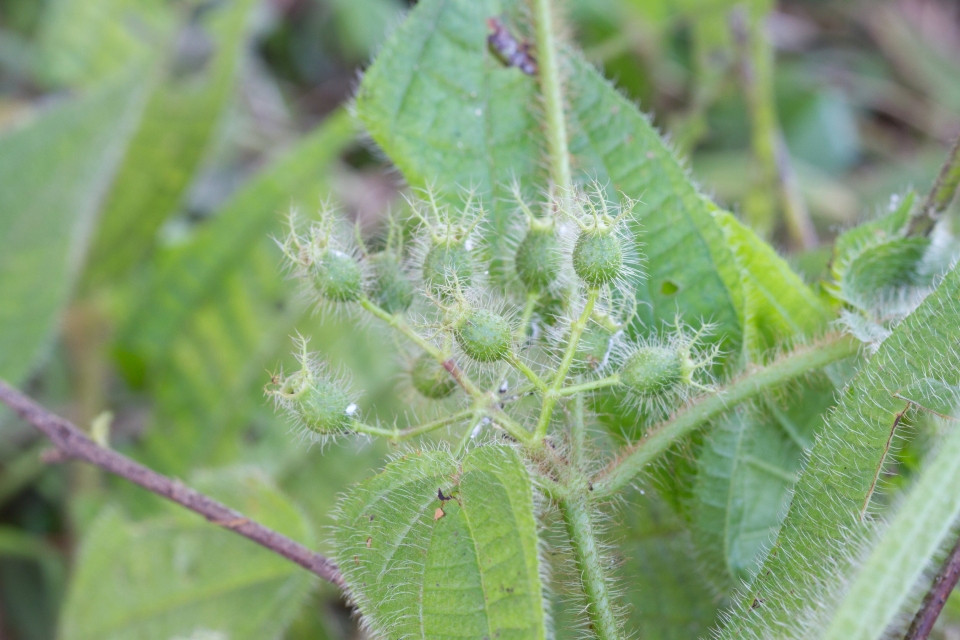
[
  {"x": 430, "y": 378},
  {"x": 652, "y": 370},
  {"x": 538, "y": 258},
  {"x": 317, "y": 402},
  {"x": 390, "y": 288},
  {"x": 447, "y": 262},
  {"x": 337, "y": 276},
  {"x": 597, "y": 256},
  {"x": 484, "y": 335}
]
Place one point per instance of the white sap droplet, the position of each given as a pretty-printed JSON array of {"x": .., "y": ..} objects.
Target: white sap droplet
[
  {"x": 351, "y": 408},
  {"x": 479, "y": 112},
  {"x": 469, "y": 245}
]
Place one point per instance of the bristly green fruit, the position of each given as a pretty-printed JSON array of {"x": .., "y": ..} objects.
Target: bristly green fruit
[
  {"x": 652, "y": 370},
  {"x": 318, "y": 402},
  {"x": 538, "y": 258},
  {"x": 447, "y": 263},
  {"x": 597, "y": 256},
  {"x": 390, "y": 288},
  {"x": 337, "y": 276},
  {"x": 485, "y": 336},
  {"x": 430, "y": 379}
]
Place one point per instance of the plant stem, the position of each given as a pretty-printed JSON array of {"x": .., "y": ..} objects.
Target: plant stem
[
  {"x": 528, "y": 372},
  {"x": 402, "y": 434},
  {"x": 592, "y": 385},
  {"x": 552, "y": 395},
  {"x": 940, "y": 590},
  {"x": 940, "y": 196},
  {"x": 551, "y": 87},
  {"x": 590, "y": 566},
  {"x": 578, "y": 433},
  {"x": 400, "y": 325},
  {"x": 755, "y": 60},
  {"x": 621, "y": 471},
  {"x": 71, "y": 442}
]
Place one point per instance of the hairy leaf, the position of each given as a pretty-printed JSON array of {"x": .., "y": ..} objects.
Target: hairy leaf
[
  {"x": 178, "y": 575},
  {"x": 922, "y": 526},
  {"x": 832, "y": 497},
  {"x": 217, "y": 311},
  {"x": 53, "y": 174},
  {"x": 418, "y": 566},
  {"x": 192, "y": 90}
]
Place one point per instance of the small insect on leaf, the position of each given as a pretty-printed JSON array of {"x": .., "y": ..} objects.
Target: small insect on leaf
[
  {"x": 506, "y": 47},
  {"x": 438, "y": 514}
]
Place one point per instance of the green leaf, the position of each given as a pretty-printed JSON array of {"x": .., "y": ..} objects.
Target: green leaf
[
  {"x": 778, "y": 305},
  {"x": 832, "y": 497},
  {"x": 924, "y": 524},
  {"x": 933, "y": 395},
  {"x": 53, "y": 174},
  {"x": 179, "y": 575},
  {"x": 447, "y": 111},
  {"x": 470, "y": 570},
  {"x": 179, "y": 121},
  {"x": 217, "y": 310},
  {"x": 746, "y": 473},
  {"x": 81, "y": 42}
]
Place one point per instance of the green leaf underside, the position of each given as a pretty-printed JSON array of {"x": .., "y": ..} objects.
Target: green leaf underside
[
  {"x": 825, "y": 515},
  {"x": 53, "y": 174},
  {"x": 178, "y": 124},
  {"x": 171, "y": 577},
  {"x": 218, "y": 311},
  {"x": 474, "y": 572},
  {"x": 922, "y": 526},
  {"x": 745, "y": 476}
]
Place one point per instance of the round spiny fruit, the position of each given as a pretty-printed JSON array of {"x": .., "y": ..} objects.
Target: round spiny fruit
[
  {"x": 337, "y": 276},
  {"x": 431, "y": 379},
  {"x": 320, "y": 404},
  {"x": 391, "y": 289},
  {"x": 651, "y": 370},
  {"x": 597, "y": 257},
  {"x": 593, "y": 349},
  {"x": 447, "y": 262},
  {"x": 538, "y": 259},
  {"x": 485, "y": 336}
]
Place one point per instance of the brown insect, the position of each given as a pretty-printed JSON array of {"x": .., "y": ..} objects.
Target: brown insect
[{"x": 511, "y": 52}]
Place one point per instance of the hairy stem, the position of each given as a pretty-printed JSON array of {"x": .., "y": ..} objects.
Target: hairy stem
[
  {"x": 530, "y": 374},
  {"x": 940, "y": 196},
  {"x": 552, "y": 395},
  {"x": 403, "y": 434},
  {"x": 72, "y": 443},
  {"x": 657, "y": 440},
  {"x": 590, "y": 565},
  {"x": 551, "y": 87},
  {"x": 578, "y": 433},
  {"x": 401, "y": 325},
  {"x": 592, "y": 385}
]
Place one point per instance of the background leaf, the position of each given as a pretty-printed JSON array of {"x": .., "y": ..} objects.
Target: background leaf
[
  {"x": 217, "y": 311},
  {"x": 192, "y": 89},
  {"x": 177, "y": 575},
  {"x": 470, "y": 570},
  {"x": 53, "y": 174}
]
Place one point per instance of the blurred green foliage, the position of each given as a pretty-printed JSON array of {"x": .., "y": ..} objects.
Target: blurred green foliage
[{"x": 150, "y": 148}]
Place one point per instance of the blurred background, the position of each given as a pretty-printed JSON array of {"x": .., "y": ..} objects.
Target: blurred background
[{"x": 148, "y": 149}]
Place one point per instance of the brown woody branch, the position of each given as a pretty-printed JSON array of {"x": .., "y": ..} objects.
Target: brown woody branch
[
  {"x": 72, "y": 443},
  {"x": 933, "y": 602}
]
